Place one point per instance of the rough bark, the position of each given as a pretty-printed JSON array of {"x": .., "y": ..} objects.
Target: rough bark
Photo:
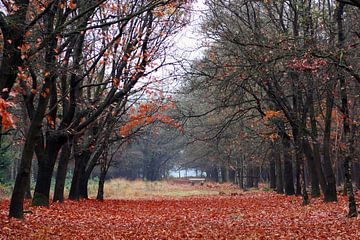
[
  {"x": 315, "y": 190},
  {"x": 279, "y": 173},
  {"x": 28, "y": 188},
  {"x": 272, "y": 169},
  {"x": 45, "y": 172},
  {"x": 313, "y": 153},
  {"x": 17, "y": 197},
  {"x": 61, "y": 173},
  {"x": 79, "y": 170},
  {"x": 330, "y": 192},
  {"x": 100, "y": 193},
  {"x": 348, "y": 178},
  {"x": 288, "y": 168}
]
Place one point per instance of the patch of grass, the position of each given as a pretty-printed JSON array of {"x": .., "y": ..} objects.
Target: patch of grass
[
  {"x": 5, "y": 190},
  {"x": 139, "y": 189},
  {"x": 123, "y": 189}
]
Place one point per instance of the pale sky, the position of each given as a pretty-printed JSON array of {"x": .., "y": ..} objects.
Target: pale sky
[{"x": 189, "y": 40}]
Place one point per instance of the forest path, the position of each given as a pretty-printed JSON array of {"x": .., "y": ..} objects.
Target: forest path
[{"x": 254, "y": 215}]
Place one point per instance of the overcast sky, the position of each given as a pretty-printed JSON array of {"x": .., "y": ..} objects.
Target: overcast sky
[{"x": 189, "y": 40}]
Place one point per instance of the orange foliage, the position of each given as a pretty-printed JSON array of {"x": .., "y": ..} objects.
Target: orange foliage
[
  {"x": 6, "y": 118},
  {"x": 248, "y": 216},
  {"x": 272, "y": 115},
  {"x": 274, "y": 137},
  {"x": 72, "y": 5},
  {"x": 145, "y": 115}
]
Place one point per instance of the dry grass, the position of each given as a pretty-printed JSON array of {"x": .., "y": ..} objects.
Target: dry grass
[
  {"x": 138, "y": 189},
  {"x": 123, "y": 189}
]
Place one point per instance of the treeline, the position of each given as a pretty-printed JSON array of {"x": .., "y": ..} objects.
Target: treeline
[
  {"x": 276, "y": 96},
  {"x": 72, "y": 73}
]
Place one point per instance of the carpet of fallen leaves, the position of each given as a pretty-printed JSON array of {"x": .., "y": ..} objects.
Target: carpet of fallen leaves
[{"x": 257, "y": 215}]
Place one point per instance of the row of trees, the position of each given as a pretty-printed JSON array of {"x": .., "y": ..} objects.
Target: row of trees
[
  {"x": 70, "y": 71},
  {"x": 276, "y": 95}
]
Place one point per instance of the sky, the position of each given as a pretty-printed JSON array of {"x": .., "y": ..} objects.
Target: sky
[
  {"x": 189, "y": 40},
  {"x": 187, "y": 46}
]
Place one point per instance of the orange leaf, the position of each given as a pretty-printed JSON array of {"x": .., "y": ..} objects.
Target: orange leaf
[{"x": 72, "y": 5}]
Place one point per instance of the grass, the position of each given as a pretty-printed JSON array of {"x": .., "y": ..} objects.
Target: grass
[
  {"x": 5, "y": 190},
  {"x": 123, "y": 189},
  {"x": 139, "y": 189}
]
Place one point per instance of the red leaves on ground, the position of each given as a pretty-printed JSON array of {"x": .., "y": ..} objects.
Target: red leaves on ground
[{"x": 248, "y": 216}]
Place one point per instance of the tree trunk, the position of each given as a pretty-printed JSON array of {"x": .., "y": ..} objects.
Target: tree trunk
[
  {"x": 256, "y": 177},
  {"x": 81, "y": 160},
  {"x": 45, "y": 172},
  {"x": 298, "y": 176},
  {"x": 330, "y": 192},
  {"x": 272, "y": 169},
  {"x": 305, "y": 196},
  {"x": 215, "y": 174},
  {"x": 249, "y": 178},
  {"x": 83, "y": 188},
  {"x": 77, "y": 174},
  {"x": 315, "y": 190},
  {"x": 313, "y": 154},
  {"x": 356, "y": 171},
  {"x": 100, "y": 193},
  {"x": 32, "y": 138},
  {"x": 28, "y": 188},
  {"x": 288, "y": 169},
  {"x": 242, "y": 174},
  {"x": 85, "y": 179},
  {"x": 279, "y": 173},
  {"x": 17, "y": 197},
  {"x": 224, "y": 174},
  {"x": 61, "y": 172},
  {"x": 348, "y": 178},
  {"x": 232, "y": 176}
]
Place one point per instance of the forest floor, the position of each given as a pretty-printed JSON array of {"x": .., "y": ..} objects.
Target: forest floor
[{"x": 180, "y": 211}]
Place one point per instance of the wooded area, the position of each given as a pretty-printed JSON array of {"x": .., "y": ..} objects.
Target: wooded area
[
  {"x": 276, "y": 97},
  {"x": 98, "y": 89}
]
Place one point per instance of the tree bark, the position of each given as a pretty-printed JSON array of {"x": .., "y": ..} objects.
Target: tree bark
[
  {"x": 45, "y": 172},
  {"x": 83, "y": 188},
  {"x": 279, "y": 173},
  {"x": 298, "y": 175},
  {"x": 288, "y": 169},
  {"x": 17, "y": 197},
  {"x": 100, "y": 193},
  {"x": 330, "y": 192},
  {"x": 28, "y": 188},
  {"x": 81, "y": 160},
  {"x": 61, "y": 173},
  {"x": 272, "y": 169},
  {"x": 313, "y": 154},
  {"x": 315, "y": 190},
  {"x": 348, "y": 179}
]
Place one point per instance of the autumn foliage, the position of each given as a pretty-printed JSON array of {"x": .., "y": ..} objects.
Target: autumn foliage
[
  {"x": 246, "y": 216},
  {"x": 146, "y": 114},
  {"x": 6, "y": 118}
]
